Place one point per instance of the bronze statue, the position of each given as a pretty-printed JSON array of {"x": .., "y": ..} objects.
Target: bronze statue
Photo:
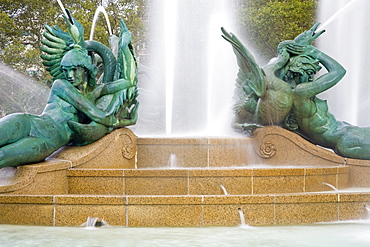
[
  {"x": 312, "y": 114},
  {"x": 79, "y": 110},
  {"x": 262, "y": 95},
  {"x": 295, "y": 105}
]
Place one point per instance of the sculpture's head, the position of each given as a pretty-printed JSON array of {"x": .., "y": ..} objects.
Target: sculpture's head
[
  {"x": 78, "y": 67},
  {"x": 302, "y": 68}
]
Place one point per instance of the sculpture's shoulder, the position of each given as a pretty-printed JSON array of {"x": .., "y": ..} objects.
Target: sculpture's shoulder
[{"x": 273, "y": 81}]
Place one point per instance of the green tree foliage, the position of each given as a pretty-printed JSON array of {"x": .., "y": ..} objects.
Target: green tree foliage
[
  {"x": 268, "y": 22},
  {"x": 22, "y": 24}
]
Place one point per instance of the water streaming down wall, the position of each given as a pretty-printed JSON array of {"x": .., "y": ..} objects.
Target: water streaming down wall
[
  {"x": 347, "y": 40},
  {"x": 191, "y": 72}
]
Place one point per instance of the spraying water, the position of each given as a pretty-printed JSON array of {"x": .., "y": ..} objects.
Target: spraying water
[
  {"x": 170, "y": 18},
  {"x": 336, "y": 15},
  {"x": 347, "y": 41},
  {"x": 99, "y": 10},
  {"x": 193, "y": 63},
  {"x": 62, "y": 7}
]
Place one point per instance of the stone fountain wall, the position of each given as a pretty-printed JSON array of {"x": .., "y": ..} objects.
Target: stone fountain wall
[{"x": 132, "y": 181}]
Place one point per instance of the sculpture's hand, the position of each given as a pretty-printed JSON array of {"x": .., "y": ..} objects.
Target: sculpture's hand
[
  {"x": 291, "y": 47},
  {"x": 298, "y": 49},
  {"x": 131, "y": 117},
  {"x": 284, "y": 46},
  {"x": 307, "y": 37},
  {"x": 311, "y": 51}
]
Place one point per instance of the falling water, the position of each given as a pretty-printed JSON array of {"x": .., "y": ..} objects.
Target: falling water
[
  {"x": 195, "y": 69},
  {"x": 347, "y": 41},
  {"x": 331, "y": 186},
  {"x": 170, "y": 18},
  {"x": 224, "y": 190},
  {"x": 99, "y": 10},
  {"x": 172, "y": 161},
  {"x": 91, "y": 221},
  {"x": 241, "y": 215},
  {"x": 367, "y": 211}
]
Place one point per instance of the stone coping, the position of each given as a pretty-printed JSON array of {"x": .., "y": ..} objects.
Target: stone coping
[
  {"x": 354, "y": 195},
  {"x": 242, "y": 140},
  {"x": 209, "y": 172}
]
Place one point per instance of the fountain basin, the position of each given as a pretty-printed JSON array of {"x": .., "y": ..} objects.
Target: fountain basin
[
  {"x": 127, "y": 181},
  {"x": 184, "y": 210}
]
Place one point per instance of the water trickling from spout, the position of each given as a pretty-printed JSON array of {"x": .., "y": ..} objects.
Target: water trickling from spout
[
  {"x": 99, "y": 10},
  {"x": 224, "y": 190},
  {"x": 241, "y": 215},
  {"x": 331, "y": 186},
  {"x": 172, "y": 161},
  {"x": 367, "y": 212},
  {"x": 91, "y": 222}
]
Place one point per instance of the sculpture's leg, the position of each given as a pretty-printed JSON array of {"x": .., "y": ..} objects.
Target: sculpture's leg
[
  {"x": 14, "y": 127},
  {"x": 24, "y": 151},
  {"x": 355, "y": 143}
]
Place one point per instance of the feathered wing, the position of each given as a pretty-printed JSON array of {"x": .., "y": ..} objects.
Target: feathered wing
[
  {"x": 250, "y": 82},
  {"x": 126, "y": 69},
  {"x": 56, "y": 43}
]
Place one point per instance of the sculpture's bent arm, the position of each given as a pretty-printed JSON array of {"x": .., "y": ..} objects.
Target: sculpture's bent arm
[
  {"x": 69, "y": 93},
  {"x": 326, "y": 81},
  {"x": 277, "y": 64},
  {"x": 109, "y": 88}
]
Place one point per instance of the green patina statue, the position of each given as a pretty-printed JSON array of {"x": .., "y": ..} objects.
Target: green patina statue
[
  {"x": 264, "y": 96},
  {"x": 284, "y": 93},
  {"x": 79, "y": 110}
]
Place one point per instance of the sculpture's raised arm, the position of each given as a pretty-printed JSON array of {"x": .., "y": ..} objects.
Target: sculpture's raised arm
[{"x": 333, "y": 76}]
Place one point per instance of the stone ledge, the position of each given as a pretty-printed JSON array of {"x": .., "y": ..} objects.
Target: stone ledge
[{"x": 156, "y": 211}]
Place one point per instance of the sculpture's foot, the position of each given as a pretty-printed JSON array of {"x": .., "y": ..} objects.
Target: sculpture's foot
[
  {"x": 246, "y": 127},
  {"x": 249, "y": 128}
]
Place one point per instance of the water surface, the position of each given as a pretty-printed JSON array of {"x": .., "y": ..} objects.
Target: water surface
[{"x": 327, "y": 234}]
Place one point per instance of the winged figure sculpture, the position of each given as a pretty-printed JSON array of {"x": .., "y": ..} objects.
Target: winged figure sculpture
[
  {"x": 119, "y": 71},
  {"x": 263, "y": 96},
  {"x": 82, "y": 106}
]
